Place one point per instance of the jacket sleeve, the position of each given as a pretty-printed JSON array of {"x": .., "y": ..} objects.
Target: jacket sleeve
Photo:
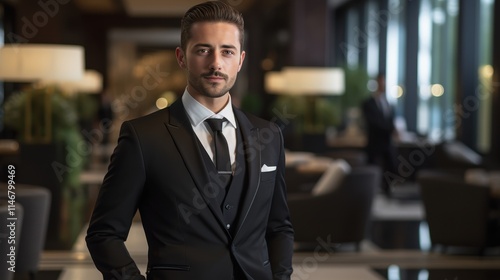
[
  {"x": 280, "y": 232},
  {"x": 115, "y": 208}
]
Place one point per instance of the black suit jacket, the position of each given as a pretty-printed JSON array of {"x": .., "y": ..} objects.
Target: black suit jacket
[
  {"x": 380, "y": 128},
  {"x": 158, "y": 169}
]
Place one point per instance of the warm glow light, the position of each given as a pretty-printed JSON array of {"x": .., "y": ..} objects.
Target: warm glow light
[
  {"x": 80, "y": 257},
  {"x": 35, "y": 62},
  {"x": 437, "y": 90},
  {"x": 161, "y": 103},
  {"x": 166, "y": 99},
  {"x": 314, "y": 80},
  {"x": 487, "y": 71},
  {"x": 397, "y": 91},
  {"x": 91, "y": 82},
  {"x": 275, "y": 82},
  {"x": 139, "y": 71},
  {"x": 267, "y": 64},
  {"x": 306, "y": 81}
]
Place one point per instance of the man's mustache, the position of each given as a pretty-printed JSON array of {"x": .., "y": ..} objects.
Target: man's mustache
[{"x": 215, "y": 73}]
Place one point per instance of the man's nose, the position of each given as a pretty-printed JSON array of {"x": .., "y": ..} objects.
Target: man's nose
[{"x": 216, "y": 64}]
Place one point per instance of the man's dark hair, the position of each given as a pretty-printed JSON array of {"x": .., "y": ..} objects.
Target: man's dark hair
[{"x": 211, "y": 11}]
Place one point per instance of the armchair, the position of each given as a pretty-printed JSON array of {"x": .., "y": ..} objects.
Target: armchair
[
  {"x": 5, "y": 233},
  {"x": 458, "y": 214},
  {"x": 35, "y": 202},
  {"x": 339, "y": 216}
]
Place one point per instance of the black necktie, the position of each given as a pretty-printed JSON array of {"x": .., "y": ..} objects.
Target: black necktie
[{"x": 222, "y": 159}]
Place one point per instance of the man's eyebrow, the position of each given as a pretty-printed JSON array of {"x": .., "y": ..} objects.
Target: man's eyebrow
[
  {"x": 224, "y": 46},
  {"x": 229, "y": 47},
  {"x": 203, "y": 45}
]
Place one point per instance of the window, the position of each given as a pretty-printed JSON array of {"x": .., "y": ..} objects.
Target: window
[
  {"x": 438, "y": 23},
  {"x": 485, "y": 73},
  {"x": 373, "y": 28},
  {"x": 429, "y": 63},
  {"x": 355, "y": 42},
  {"x": 395, "y": 53}
]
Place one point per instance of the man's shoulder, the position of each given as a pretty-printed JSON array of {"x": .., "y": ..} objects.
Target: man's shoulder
[
  {"x": 257, "y": 121},
  {"x": 149, "y": 120}
]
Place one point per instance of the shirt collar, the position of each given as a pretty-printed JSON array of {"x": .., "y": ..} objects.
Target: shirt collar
[{"x": 198, "y": 113}]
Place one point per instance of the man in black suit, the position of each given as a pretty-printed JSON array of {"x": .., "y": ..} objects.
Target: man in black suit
[
  {"x": 201, "y": 219},
  {"x": 379, "y": 118}
]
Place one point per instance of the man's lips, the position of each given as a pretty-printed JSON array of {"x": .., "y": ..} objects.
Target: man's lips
[{"x": 214, "y": 78}]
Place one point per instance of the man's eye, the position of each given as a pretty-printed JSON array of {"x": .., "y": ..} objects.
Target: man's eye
[
  {"x": 228, "y": 52},
  {"x": 203, "y": 51}
]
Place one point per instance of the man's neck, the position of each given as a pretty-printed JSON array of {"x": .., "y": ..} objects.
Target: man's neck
[{"x": 214, "y": 104}]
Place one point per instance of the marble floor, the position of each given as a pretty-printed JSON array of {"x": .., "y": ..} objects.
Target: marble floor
[{"x": 397, "y": 249}]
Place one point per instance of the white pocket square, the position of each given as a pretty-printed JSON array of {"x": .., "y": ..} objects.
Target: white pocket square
[{"x": 266, "y": 168}]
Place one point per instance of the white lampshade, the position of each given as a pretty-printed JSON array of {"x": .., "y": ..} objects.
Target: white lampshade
[
  {"x": 275, "y": 82},
  {"x": 314, "y": 80},
  {"x": 91, "y": 82},
  {"x": 34, "y": 62}
]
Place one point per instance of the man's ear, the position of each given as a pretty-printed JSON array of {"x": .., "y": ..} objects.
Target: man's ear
[
  {"x": 181, "y": 58},
  {"x": 242, "y": 58}
]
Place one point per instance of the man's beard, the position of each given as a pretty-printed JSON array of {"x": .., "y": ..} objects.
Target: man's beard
[{"x": 210, "y": 89}]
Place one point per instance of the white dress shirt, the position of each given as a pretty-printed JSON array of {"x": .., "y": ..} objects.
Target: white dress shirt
[{"x": 197, "y": 114}]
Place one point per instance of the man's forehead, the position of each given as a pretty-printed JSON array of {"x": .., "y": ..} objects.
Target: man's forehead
[
  {"x": 215, "y": 25},
  {"x": 207, "y": 33}
]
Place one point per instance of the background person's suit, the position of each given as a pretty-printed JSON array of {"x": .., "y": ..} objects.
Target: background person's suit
[
  {"x": 380, "y": 127},
  {"x": 158, "y": 168}
]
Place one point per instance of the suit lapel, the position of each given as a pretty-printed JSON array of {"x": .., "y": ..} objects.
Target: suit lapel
[
  {"x": 185, "y": 141},
  {"x": 251, "y": 151}
]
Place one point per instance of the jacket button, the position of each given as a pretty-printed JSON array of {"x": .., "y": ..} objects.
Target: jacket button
[
  {"x": 228, "y": 207},
  {"x": 228, "y": 226}
]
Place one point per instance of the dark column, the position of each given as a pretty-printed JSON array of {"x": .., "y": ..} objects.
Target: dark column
[
  {"x": 495, "y": 128},
  {"x": 309, "y": 33},
  {"x": 339, "y": 58},
  {"x": 468, "y": 62},
  {"x": 255, "y": 53},
  {"x": 382, "y": 63},
  {"x": 411, "y": 96}
]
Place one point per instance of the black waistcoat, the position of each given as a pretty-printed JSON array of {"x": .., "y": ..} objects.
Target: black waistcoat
[{"x": 230, "y": 192}]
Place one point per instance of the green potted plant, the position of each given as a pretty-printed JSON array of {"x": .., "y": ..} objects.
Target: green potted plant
[
  {"x": 312, "y": 116},
  {"x": 51, "y": 147}
]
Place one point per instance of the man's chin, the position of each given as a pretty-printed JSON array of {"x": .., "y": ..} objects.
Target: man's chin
[{"x": 215, "y": 93}]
